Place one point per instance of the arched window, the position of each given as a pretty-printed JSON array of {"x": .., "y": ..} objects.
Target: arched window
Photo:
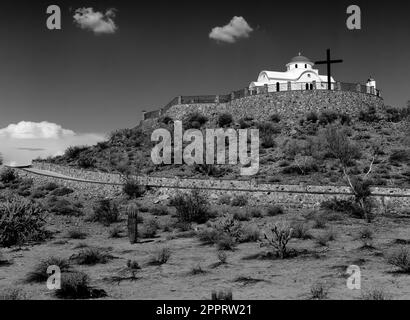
[
  {"x": 305, "y": 66},
  {"x": 296, "y": 66}
]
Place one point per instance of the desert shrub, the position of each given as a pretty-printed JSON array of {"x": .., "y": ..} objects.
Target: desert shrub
[
  {"x": 245, "y": 123},
  {"x": 149, "y": 228},
  {"x": 194, "y": 120},
  {"x": 166, "y": 120},
  {"x": 278, "y": 238},
  {"x": 256, "y": 213},
  {"x": 327, "y": 117},
  {"x": 115, "y": 232},
  {"x": 239, "y": 201},
  {"x": 132, "y": 188},
  {"x": 225, "y": 242},
  {"x": 77, "y": 234},
  {"x": 39, "y": 273},
  {"x": 191, "y": 207},
  {"x": 211, "y": 170},
  {"x": 319, "y": 291},
  {"x": 91, "y": 256},
  {"x": 275, "y": 210},
  {"x": 301, "y": 231},
  {"x": 319, "y": 221},
  {"x": 160, "y": 256},
  {"x": 73, "y": 152},
  {"x": 209, "y": 235},
  {"x": 222, "y": 295},
  {"x": 63, "y": 207},
  {"x": 222, "y": 256},
  {"x": 38, "y": 194},
  {"x": 160, "y": 211},
  {"x": 8, "y": 175},
  {"x": 86, "y": 161},
  {"x": 400, "y": 258},
  {"x": 393, "y": 114},
  {"x": 324, "y": 238},
  {"x": 12, "y": 294},
  {"x": 242, "y": 216},
  {"x": 21, "y": 221},
  {"x": 250, "y": 234},
  {"x": 339, "y": 145},
  {"x": 225, "y": 199},
  {"x": 225, "y": 119},
  {"x": 400, "y": 156},
  {"x": 369, "y": 115},
  {"x": 268, "y": 129},
  {"x": 61, "y": 192},
  {"x": 275, "y": 118},
  {"x": 376, "y": 294},
  {"x": 49, "y": 186},
  {"x": 268, "y": 141},
  {"x": 75, "y": 285},
  {"x": 105, "y": 211}
]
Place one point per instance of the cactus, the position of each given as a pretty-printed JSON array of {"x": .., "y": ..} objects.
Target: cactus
[{"x": 132, "y": 212}]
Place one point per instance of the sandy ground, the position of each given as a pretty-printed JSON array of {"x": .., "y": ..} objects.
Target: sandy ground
[{"x": 270, "y": 278}]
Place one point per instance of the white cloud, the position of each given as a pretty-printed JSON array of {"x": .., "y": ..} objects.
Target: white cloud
[
  {"x": 35, "y": 130},
  {"x": 95, "y": 21},
  {"x": 22, "y": 142},
  {"x": 236, "y": 29}
]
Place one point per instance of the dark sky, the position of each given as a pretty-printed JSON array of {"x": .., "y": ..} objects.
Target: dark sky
[{"x": 98, "y": 83}]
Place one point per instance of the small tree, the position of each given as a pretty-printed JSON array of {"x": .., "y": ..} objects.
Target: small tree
[
  {"x": 341, "y": 148},
  {"x": 278, "y": 238}
]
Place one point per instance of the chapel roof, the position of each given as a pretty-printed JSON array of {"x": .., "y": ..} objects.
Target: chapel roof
[{"x": 300, "y": 58}]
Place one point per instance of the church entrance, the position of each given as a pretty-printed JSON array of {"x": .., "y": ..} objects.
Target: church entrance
[
  {"x": 307, "y": 86},
  {"x": 277, "y": 87}
]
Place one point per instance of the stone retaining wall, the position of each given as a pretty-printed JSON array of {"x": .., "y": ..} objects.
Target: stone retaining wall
[
  {"x": 296, "y": 196},
  {"x": 290, "y": 105}
]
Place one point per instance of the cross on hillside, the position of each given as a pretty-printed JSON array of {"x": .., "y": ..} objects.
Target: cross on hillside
[{"x": 329, "y": 62}]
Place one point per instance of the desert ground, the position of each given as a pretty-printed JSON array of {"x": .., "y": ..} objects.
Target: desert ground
[{"x": 315, "y": 268}]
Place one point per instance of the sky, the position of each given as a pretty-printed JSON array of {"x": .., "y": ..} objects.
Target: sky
[{"x": 113, "y": 59}]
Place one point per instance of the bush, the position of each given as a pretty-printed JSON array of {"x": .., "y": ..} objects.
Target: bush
[
  {"x": 275, "y": 118},
  {"x": 132, "y": 188},
  {"x": 106, "y": 212},
  {"x": 327, "y": 117},
  {"x": 276, "y": 210},
  {"x": 222, "y": 256},
  {"x": 225, "y": 199},
  {"x": 8, "y": 175},
  {"x": 301, "y": 231},
  {"x": 239, "y": 201},
  {"x": 225, "y": 119},
  {"x": 39, "y": 274},
  {"x": 245, "y": 123},
  {"x": 209, "y": 236},
  {"x": 86, "y": 161},
  {"x": 91, "y": 256},
  {"x": 160, "y": 257},
  {"x": 250, "y": 234},
  {"x": 222, "y": 295},
  {"x": 278, "y": 238},
  {"x": 226, "y": 242},
  {"x": 21, "y": 221},
  {"x": 400, "y": 156},
  {"x": 160, "y": 211},
  {"x": 319, "y": 291},
  {"x": 75, "y": 285},
  {"x": 76, "y": 234},
  {"x": 242, "y": 216},
  {"x": 369, "y": 115},
  {"x": 115, "y": 232},
  {"x": 73, "y": 152},
  {"x": 49, "y": 186},
  {"x": 149, "y": 228},
  {"x": 63, "y": 207},
  {"x": 376, "y": 294},
  {"x": 400, "y": 258},
  {"x": 191, "y": 207},
  {"x": 194, "y": 121},
  {"x": 61, "y": 192},
  {"x": 324, "y": 238}
]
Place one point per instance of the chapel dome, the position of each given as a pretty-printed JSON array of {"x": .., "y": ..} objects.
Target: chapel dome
[{"x": 300, "y": 58}]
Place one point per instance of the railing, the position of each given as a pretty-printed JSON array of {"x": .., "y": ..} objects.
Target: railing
[{"x": 271, "y": 88}]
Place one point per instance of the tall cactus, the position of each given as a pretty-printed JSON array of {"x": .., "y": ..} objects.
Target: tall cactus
[{"x": 132, "y": 212}]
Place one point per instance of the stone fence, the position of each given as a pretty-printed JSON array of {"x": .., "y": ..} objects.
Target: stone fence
[{"x": 294, "y": 196}]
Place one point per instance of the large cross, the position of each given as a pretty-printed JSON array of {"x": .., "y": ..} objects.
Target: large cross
[{"x": 329, "y": 62}]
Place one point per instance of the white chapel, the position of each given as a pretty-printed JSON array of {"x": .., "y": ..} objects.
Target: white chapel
[{"x": 299, "y": 74}]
